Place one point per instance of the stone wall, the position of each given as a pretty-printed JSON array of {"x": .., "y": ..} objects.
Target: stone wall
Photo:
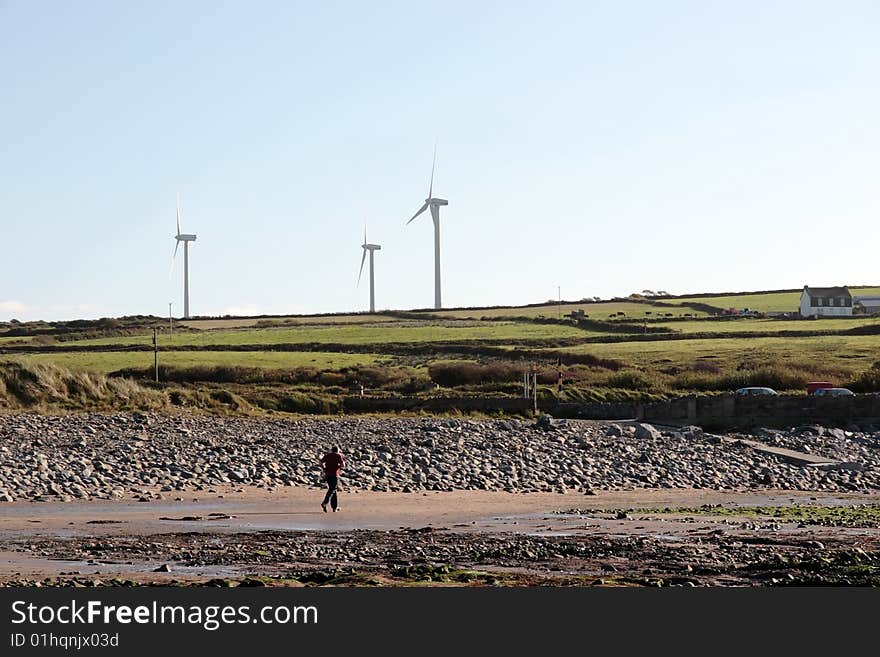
[
  {"x": 729, "y": 411},
  {"x": 713, "y": 412},
  {"x": 594, "y": 410}
]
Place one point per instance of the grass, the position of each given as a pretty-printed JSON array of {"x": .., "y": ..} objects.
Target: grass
[
  {"x": 601, "y": 311},
  {"x": 8, "y": 339},
  {"x": 112, "y": 361},
  {"x": 706, "y": 365},
  {"x": 354, "y": 335},
  {"x": 293, "y": 320},
  {"x": 463, "y": 355},
  {"x": 782, "y": 301},
  {"x": 48, "y": 386},
  {"x": 850, "y": 352},
  {"x": 763, "y": 301},
  {"x": 748, "y": 324}
]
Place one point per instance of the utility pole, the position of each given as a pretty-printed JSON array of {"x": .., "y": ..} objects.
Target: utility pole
[
  {"x": 170, "y": 321},
  {"x": 559, "y": 293},
  {"x": 156, "y": 354}
]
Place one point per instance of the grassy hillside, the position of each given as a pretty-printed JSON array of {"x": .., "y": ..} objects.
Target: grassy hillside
[
  {"x": 626, "y": 349},
  {"x": 763, "y": 301}
]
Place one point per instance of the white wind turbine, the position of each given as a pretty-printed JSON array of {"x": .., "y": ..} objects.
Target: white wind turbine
[
  {"x": 372, "y": 248},
  {"x": 434, "y": 204},
  {"x": 186, "y": 238}
]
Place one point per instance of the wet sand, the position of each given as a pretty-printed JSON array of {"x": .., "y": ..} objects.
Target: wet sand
[{"x": 249, "y": 512}]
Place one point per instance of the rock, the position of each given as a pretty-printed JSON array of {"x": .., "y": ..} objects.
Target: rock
[
  {"x": 164, "y": 568},
  {"x": 250, "y": 581},
  {"x": 647, "y": 432},
  {"x": 406, "y": 454}
]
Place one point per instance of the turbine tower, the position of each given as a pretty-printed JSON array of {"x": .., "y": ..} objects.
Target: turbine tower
[
  {"x": 372, "y": 248},
  {"x": 186, "y": 238},
  {"x": 434, "y": 204}
]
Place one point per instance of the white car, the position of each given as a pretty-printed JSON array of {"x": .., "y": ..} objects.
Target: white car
[
  {"x": 756, "y": 390},
  {"x": 833, "y": 392}
]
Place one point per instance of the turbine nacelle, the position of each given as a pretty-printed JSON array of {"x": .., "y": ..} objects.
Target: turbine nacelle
[
  {"x": 371, "y": 247},
  {"x": 185, "y": 237},
  {"x": 436, "y": 201}
]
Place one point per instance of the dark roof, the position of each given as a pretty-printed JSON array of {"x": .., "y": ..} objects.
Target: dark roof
[{"x": 827, "y": 291}]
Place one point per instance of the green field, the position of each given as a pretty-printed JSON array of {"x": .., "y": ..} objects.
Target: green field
[
  {"x": 765, "y": 301},
  {"x": 600, "y": 311},
  {"x": 112, "y": 361},
  {"x": 752, "y": 325},
  {"x": 8, "y": 339},
  {"x": 414, "y": 353},
  {"x": 249, "y": 322},
  {"x": 423, "y": 332},
  {"x": 850, "y": 353}
]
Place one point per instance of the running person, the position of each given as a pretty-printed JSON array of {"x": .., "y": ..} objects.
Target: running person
[{"x": 332, "y": 462}]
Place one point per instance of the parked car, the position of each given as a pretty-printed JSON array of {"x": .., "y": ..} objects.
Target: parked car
[
  {"x": 755, "y": 390},
  {"x": 833, "y": 392}
]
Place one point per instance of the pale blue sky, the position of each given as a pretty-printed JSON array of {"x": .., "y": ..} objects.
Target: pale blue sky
[{"x": 603, "y": 147}]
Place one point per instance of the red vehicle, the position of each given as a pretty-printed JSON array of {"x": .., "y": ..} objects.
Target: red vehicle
[{"x": 813, "y": 386}]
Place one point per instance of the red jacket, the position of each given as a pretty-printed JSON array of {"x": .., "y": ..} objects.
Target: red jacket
[{"x": 333, "y": 464}]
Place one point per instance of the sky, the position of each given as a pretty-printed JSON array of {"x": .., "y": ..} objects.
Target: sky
[{"x": 586, "y": 149}]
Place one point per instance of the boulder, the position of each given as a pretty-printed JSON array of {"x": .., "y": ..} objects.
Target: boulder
[{"x": 647, "y": 432}]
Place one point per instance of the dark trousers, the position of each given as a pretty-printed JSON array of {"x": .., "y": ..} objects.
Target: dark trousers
[{"x": 332, "y": 485}]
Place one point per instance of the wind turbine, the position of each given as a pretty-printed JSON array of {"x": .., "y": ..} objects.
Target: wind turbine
[
  {"x": 186, "y": 238},
  {"x": 434, "y": 204},
  {"x": 372, "y": 248}
]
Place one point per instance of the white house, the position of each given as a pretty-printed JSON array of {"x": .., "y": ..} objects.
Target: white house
[{"x": 826, "y": 302}]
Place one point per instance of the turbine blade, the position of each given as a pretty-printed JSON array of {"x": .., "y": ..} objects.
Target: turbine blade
[
  {"x": 178, "y": 214},
  {"x": 423, "y": 208},
  {"x": 365, "y": 233},
  {"x": 433, "y": 164},
  {"x": 363, "y": 259},
  {"x": 173, "y": 258}
]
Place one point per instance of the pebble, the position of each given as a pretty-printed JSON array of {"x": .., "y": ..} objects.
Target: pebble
[{"x": 93, "y": 456}]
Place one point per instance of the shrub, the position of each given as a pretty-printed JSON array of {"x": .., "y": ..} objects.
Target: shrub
[
  {"x": 867, "y": 381},
  {"x": 771, "y": 376},
  {"x": 25, "y": 385},
  {"x": 458, "y": 374},
  {"x": 631, "y": 380}
]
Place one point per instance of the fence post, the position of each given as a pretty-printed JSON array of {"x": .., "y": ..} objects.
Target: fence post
[
  {"x": 156, "y": 354},
  {"x": 535, "y": 391}
]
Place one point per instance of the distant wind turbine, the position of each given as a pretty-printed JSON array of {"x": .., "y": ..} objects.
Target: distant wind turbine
[
  {"x": 434, "y": 204},
  {"x": 366, "y": 246},
  {"x": 186, "y": 238}
]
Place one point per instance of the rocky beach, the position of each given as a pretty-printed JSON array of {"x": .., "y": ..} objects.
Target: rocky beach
[
  {"x": 135, "y": 498},
  {"x": 142, "y": 455}
]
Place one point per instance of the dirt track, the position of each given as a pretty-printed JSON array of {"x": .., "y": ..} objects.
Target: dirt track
[{"x": 452, "y": 538}]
